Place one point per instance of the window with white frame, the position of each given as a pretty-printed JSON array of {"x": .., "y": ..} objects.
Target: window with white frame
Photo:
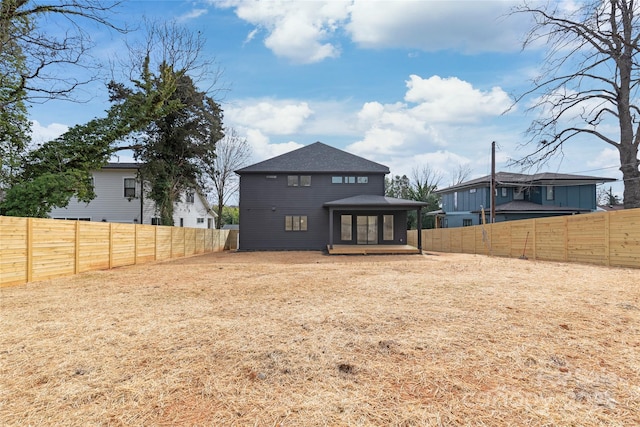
[{"x": 190, "y": 197}]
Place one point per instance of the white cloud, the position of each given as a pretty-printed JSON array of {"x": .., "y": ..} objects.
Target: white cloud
[
  {"x": 309, "y": 31},
  {"x": 274, "y": 117},
  {"x": 469, "y": 26},
  {"x": 41, "y": 134},
  {"x": 193, "y": 14},
  {"x": 298, "y": 31},
  {"x": 454, "y": 100}
]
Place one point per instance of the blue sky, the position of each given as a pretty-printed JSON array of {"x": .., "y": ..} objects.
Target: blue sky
[{"x": 404, "y": 83}]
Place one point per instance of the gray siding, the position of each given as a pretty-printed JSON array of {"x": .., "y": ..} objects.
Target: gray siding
[{"x": 264, "y": 203}]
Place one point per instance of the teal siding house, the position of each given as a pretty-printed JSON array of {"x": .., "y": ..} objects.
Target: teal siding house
[{"x": 518, "y": 196}]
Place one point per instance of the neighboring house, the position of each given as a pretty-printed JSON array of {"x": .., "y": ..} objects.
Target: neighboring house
[
  {"x": 518, "y": 196},
  {"x": 118, "y": 199},
  {"x": 318, "y": 196}
]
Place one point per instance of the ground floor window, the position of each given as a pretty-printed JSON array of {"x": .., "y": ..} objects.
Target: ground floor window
[
  {"x": 387, "y": 227},
  {"x": 467, "y": 222},
  {"x": 346, "y": 227},
  {"x": 295, "y": 223}
]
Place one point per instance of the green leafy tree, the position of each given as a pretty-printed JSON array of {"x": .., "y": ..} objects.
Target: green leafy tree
[
  {"x": 176, "y": 145},
  {"x": 60, "y": 169},
  {"x": 398, "y": 187},
  {"x": 230, "y": 215}
]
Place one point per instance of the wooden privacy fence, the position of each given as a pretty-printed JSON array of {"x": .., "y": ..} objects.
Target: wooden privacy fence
[
  {"x": 38, "y": 249},
  {"x": 606, "y": 238}
]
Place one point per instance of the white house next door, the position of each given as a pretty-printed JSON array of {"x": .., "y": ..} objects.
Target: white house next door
[{"x": 367, "y": 230}]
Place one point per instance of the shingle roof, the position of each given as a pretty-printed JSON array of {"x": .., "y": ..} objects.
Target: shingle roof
[
  {"x": 125, "y": 165},
  {"x": 316, "y": 158},
  {"x": 507, "y": 179},
  {"x": 519, "y": 206},
  {"x": 368, "y": 200}
]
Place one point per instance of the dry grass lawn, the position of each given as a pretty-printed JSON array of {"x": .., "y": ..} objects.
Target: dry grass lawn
[{"x": 298, "y": 338}]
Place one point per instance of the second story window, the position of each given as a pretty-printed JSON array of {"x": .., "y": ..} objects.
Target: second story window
[
  {"x": 190, "y": 197},
  {"x": 130, "y": 187},
  {"x": 336, "y": 180},
  {"x": 299, "y": 181},
  {"x": 363, "y": 179}
]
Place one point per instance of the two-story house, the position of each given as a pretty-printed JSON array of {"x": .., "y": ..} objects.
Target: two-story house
[
  {"x": 119, "y": 198},
  {"x": 317, "y": 197},
  {"x": 518, "y": 196}
]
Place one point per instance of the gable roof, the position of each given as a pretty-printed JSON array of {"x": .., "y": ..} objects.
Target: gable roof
[
  {"x": 316, "y": 158},
  {"x": 510, "y": 179}
]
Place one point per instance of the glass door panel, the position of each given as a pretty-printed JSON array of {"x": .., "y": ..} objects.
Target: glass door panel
[{"x": 367, "y": 230}]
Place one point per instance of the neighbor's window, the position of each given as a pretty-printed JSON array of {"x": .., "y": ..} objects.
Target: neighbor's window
[
  {"x": 292, "y": 180},
  {"x": 295, "y": 223},
  {"x": 305, "y": 180},
  {"x": 200, "y": 220},
  {"x": 190, "y": 197},
  {"x": 549, "y": 192},
  {"x": 518, "y": 194},
  {"x": 472, "y": 190},
  {"x": 503, "y": 191},
  {"x": 363, "y": 179},
  {"x": 349, "y": 179},
  {"x": 129, "y": 187},
  {"x": 156, "y": 221},
  {"x": 336, "y": 180},
  {"x": 345, "y": 227},
  {"x": 387, "y": 227},
  {"x": 467, "y": 222}
]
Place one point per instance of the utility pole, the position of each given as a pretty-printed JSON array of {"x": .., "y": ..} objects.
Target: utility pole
[{"x": 493, "y": 182}]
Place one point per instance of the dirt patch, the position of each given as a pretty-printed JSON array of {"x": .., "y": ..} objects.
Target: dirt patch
[{"x": 302, "y": 338}]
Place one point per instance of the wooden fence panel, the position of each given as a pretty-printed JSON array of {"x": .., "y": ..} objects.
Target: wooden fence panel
[
  {"x": 145, "y": 243},
  {"x": 94, "y": 246},
  {"x": 177, "y": 242},
  {"x": 163, "y": 242},
  {"x": 200, "y": 236},
  {"x": 586, "y": 239},
  {"x": 455, "y": 237},
  {"x": 499, "y": 236},
  {"x": 189, "y": 241},
  {"x": 208, "y": 240},
  {"x": 53, "y": 248},
  {"x": 14, "y": 250},
  {"x": 624, "y": 238},
  {"x": 550, "y": 238},
  {"x": 38, "y": 249},
  {"x": 468, "y": 244},
  {"x": 123, "y": 244},
  {"x": 522, "y": 238}
]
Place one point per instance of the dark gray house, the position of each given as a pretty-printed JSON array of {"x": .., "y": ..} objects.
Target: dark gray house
[
  {"x": 518, "y": 196},
  {"x": 317, "y": 198}
]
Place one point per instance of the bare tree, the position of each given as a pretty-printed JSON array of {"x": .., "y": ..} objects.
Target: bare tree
[
  {"x": 460, "y": 173},
  {"x": 41, "y": 59},
  {"x": 232, "y": 153},
  {"x": 590, "y": 80}
]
